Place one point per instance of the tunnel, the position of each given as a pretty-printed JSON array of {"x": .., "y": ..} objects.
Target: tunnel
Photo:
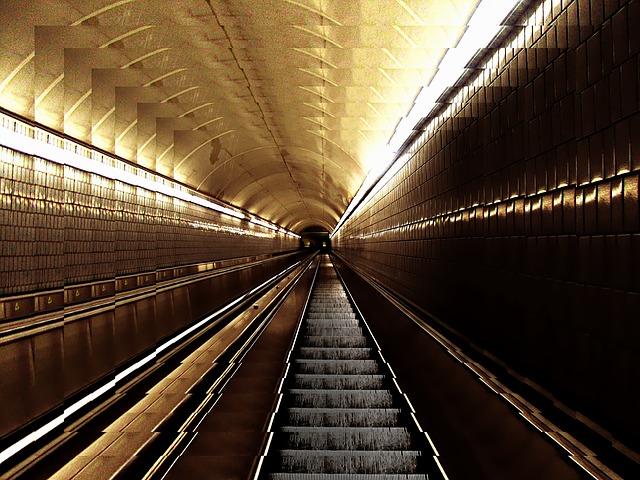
[
  {"x": 315, "y": 239},
  {"x": 310, "y": 239}
]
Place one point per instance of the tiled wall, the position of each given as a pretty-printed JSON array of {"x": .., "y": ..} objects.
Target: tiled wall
[
  {"x": 62, "y": 226},
  {"x": 516, "y": 220},
  {"x": 54, "y": 363}
]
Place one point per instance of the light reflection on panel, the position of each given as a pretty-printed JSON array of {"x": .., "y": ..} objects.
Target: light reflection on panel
[{"x": 61, "y": 226}]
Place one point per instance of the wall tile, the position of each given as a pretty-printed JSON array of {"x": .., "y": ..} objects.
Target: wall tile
[{"x": 563, "y": 211}]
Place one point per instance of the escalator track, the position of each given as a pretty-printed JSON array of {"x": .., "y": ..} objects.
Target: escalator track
[{"x": 342, "y": 414}]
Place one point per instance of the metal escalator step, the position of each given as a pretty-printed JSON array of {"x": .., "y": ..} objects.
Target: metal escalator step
[
  {"x": 335, "y": 353},
  {"x": 342, "y": 417},
  {"x": 323, "y": 315},
  {"x": 331, "y": 438},
  {"x": 319, "y": 311},
  {"x": 340, "y": 367},
  {"x": 331, "y": 296},
  {"x": 343, "y": 476},
  {"x": 320, "y": 329},
  {"x": 333, "y": 322},
  {"x": 340, "y": 398},
  {"x": 334, "y": 341},
  {"x": 330, "y": 307},
  {"x": 346, "y": 461},
  {"x": 339, "y": 382},
  {"x": 338, "y": 420}
]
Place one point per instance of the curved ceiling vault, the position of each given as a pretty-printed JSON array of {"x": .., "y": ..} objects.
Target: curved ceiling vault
[{"x": 276, "y": 106}]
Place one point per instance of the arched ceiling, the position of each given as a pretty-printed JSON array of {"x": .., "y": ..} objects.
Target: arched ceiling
[{"x": 275, "y": 106}]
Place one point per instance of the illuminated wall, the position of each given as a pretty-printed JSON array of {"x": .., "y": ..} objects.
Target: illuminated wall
[
  {"x": 516, "y": 220},
  {"x": 61, "y": 225}
]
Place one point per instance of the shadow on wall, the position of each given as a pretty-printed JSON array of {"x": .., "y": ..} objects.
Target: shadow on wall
[{"x": 315, "y": 239}]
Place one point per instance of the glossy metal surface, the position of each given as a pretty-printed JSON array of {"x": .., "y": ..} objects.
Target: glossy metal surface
[{"x": 45, "y": 367}]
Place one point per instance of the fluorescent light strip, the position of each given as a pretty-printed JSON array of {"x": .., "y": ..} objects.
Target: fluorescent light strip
[
  {"x": 64, "y": 154},
  {"x": 263, "y": 224},
  {"x": 59, "y": 420},
  {"x": 374, "y": 179},
  {"x": 32, "y": 437},
  {"x": 483, "y": 26}
]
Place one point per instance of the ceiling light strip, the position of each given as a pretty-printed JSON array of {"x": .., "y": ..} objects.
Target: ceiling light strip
[
  {"x": 316, "y": 11},
  {"x": 206, "y": 142},
  {"x": 405, "y": 36},
  {"x": 126, "y": 35},
  {"x": 364, "y": 120},
  {"x": 100, "y": 11},
  {"x": 318, "y": 35},
  {"x": 208, "y": 122},
  {"x": 317, "y": 75},
  {"x": 125, "y": 131},
  {"x": 22, "y": 137},
  {"x": 311, "y": 105},
  {"x": 324, "y": 97},
  {"x": 195, "y": 109},
  {"x": 363, "y": 135},
  {"x": 378, "y": 94},
  {"x": 263, "y": 224},
  {"x": 413, "y": 14},
  {"x": 144, "y": 57},
  {"x": 146, "y": 143},
  {"x": 370, "y": 105},
  {"x": 47, "y": 90},
  {"x": 99, "y": 123},
  {"x": 393, "y": 58},
  {"x": 388, "y": 77},
  {"x": 75, "y": 106},
  {"x": 310, "y": 119},
  {"x": 181, "y": 92},
  {"x": 313, "y": 55},
  {"x": 16, "y": 70},
  {"x": 165, "y": 76},
  {"x": 483, "y": 26}
]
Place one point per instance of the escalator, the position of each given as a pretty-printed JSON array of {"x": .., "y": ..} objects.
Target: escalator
[{"x": 342, "y": 415}]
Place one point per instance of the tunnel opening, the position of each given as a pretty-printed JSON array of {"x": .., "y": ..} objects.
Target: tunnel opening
[{"x": 315, "y": 239}]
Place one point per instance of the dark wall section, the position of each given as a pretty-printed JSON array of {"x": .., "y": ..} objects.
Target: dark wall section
[
  {"x": 517, "y": 221},
  {"x": 475, "y": 432},
  {"x": 44, "y": 368}
]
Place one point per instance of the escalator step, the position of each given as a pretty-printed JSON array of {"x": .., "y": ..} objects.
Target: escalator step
[
  {"x": 335, "y": 353},
  {"x": 320, "y": 330},
  {"x": 331, "y": 438},
  {"x": 334, "y": 341},
  {"x": 343, "y": 417},
  {"x": 333, "y": 322},
  {"x": 339, "y": 382},
  {"x": 338, "y": 367},
  {"x": 345, "y": 461},
  {"x": 340, "y": 398},
  {"x": 338, "y": 419},
  {"x": 339, "y": 476}
]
